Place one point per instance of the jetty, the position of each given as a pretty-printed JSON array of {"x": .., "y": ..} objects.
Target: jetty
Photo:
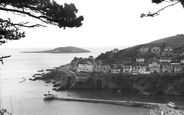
[
  {"x": 154, "y": 108},
  {"x": 114, "y": 102}
]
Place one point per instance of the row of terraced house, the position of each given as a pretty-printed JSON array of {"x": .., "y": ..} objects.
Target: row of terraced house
[{"x": 162, "y": 66}]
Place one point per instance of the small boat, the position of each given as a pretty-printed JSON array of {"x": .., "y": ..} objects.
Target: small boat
[{"x": 48, "y": 96}]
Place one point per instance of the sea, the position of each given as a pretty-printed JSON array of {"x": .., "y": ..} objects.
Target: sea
[{"x": 20, "y": 96}]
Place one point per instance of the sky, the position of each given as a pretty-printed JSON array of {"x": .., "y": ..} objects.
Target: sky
[{"x": 107, "y": 23}]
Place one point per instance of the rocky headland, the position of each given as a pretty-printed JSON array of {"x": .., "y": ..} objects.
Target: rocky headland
[{"x": 70, "y": 76}]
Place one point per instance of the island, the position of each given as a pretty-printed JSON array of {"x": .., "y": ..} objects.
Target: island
[{"x": 69, "y": 49}]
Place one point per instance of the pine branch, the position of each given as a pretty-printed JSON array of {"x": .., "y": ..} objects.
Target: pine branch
[
  {"x": 1, "y": 58},
  {"x": 157, "y": 12},
  {"x": 46, "y": 11},
  {"x": 23, "y": 12},
  {"x": 167, "y": 6},
  {"x": 22, "y": 24}
]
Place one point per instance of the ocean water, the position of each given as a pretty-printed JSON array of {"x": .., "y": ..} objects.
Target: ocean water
[{"x": 25, "y": 98}]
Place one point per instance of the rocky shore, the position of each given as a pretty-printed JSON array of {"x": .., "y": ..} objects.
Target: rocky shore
[{"x": 64, "y": 78}]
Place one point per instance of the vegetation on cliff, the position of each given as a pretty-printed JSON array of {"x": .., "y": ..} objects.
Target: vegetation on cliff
[{"x": 160, "y": 84}]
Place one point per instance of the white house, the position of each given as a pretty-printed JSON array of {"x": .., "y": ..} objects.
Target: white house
[
  {"x": 144, "y": 70},
  {"x": 115, "y": 70},
  {"x": 154, "y": 67},
  {"x": 140, "y": 60},
  {"x": 182, "y": 61},
  {"x": 135, "y": 70},
  {"x": 165, "y": 59},
  {"x": 168, "y": 49},
  {"x": 85, "y": 68},
  {"x": 127, "y": 69},
  {"x": 144, "y": 49},
  {"x": 177, "y": 68}
]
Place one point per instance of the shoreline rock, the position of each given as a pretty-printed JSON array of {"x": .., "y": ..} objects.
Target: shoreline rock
[{"x": 64, "y": 79}]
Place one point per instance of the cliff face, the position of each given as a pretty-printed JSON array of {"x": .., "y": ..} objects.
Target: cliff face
[
  {"x": 87, "y": 84},
  {"x": 62, "y": 81},
  {"x": 143, "y": 84}
]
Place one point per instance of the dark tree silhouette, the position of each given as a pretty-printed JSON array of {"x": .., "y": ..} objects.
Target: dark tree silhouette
[
  {"x": 171, "y": 3},
  {"x": 46, "y": 11}
]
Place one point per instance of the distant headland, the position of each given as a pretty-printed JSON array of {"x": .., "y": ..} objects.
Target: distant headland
[{"x": 69, "y": 49}]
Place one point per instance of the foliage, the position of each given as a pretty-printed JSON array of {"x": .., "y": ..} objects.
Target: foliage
[
  {"x": 131, "y": 52},
  {"x": 46, "y": 11},
  {"x": 9, "y": 31},
  {"x": 161, "y": 83},
  {"x": 104, "y": 56},
  {"x": 121, "y": 82},
  {"x": 169, "y": 84},
  {"x": 83, "y": 84},
  {"x": 152, "y": 14}
]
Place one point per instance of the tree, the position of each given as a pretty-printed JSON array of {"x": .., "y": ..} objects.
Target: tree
[
  {"x": 171, "y": 3},
  {"x": 43, "y": 10},
  {"x": 46, "y": 11}
]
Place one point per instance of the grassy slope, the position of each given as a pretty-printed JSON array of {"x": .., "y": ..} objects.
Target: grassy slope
[
  {"x": 176, "y": 42},
  {"x": 178, "y": 39}
]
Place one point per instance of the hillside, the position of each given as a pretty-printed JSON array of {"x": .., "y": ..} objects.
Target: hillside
[
  {"x": 129, "y": 54},
  {"x": 68, "y": 49},
  {"x": 178, "y": 39}
]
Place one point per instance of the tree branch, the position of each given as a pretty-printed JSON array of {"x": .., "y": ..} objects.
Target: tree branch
[
  {"x": 167, "y": 6},
  {"x": 22, "y": 24},
  {"x": 182, "y": 2},
  {"x": 1, "y": 58},
  {"x": 23, "y": 12},
  {"x": 46, "y": 11},
  {"x": 30, "y": 26},
  {"x": 9, "y": 31},
  {"x": 157, "y": 12}
]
